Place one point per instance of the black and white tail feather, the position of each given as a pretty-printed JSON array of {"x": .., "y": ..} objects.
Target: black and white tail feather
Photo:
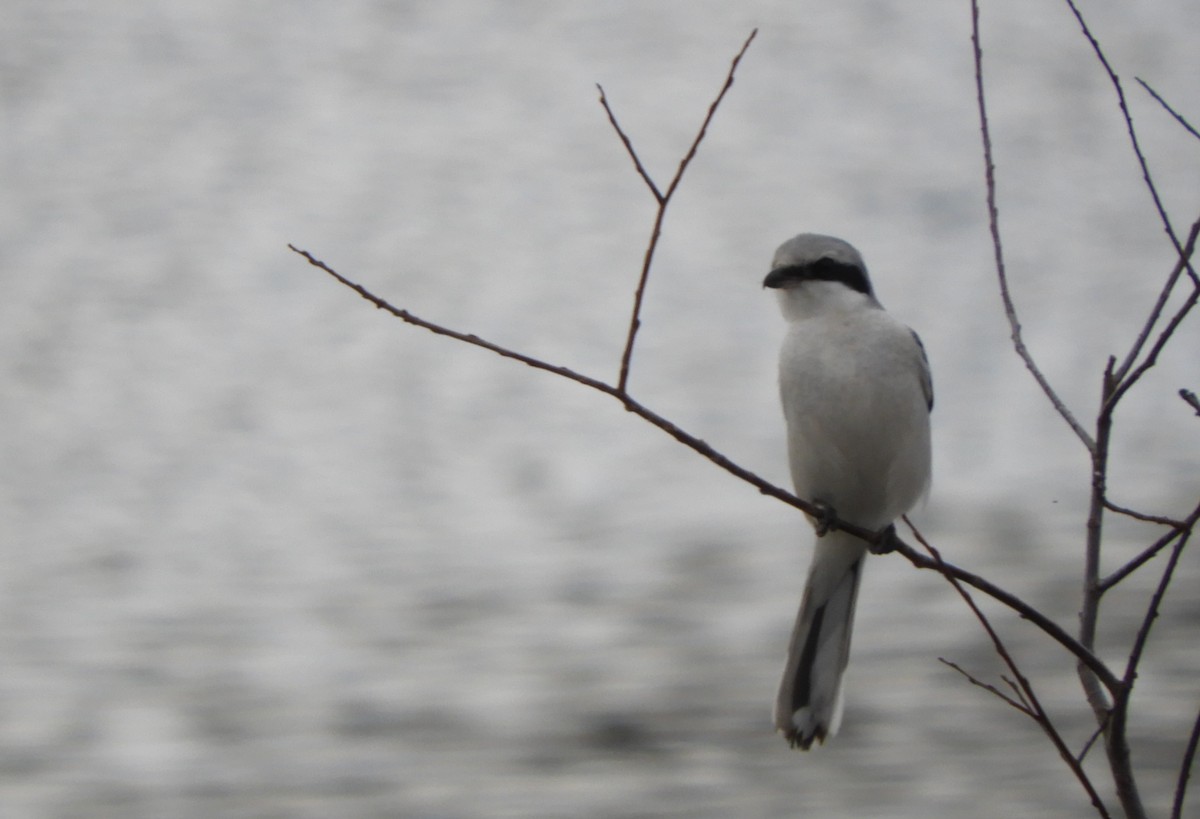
[{"x": 856, "y": 396}]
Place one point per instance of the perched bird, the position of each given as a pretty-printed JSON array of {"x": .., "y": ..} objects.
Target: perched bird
[{"x": 856, "y": 396}]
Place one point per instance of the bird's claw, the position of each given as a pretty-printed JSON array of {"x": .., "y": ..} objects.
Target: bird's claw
[
  {"x": 825, "y": 520},
  {"x": 887, "y": 543}
]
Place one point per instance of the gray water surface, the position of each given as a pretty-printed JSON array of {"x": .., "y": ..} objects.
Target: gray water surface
[{"x": 270, "y": 553}]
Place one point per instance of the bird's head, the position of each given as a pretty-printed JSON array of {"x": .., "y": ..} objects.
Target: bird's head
[{"x": 812, "y": 273}]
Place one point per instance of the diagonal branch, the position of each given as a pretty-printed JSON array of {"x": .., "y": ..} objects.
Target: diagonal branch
[
  {"x": 920, "y": 561},
  {"x": 1178, "y": 117},
  {"x": 1034, "y": 707},
  {"x": 637, "y": 162},
  {"x": 1156, "y": 311},
  {"x": 991, "y": 689},
  {"x": 1185, "y": 770},
  {"x": 1178, "y": 530},
  {"x": 1121, "y": 703},
  {"x": 1142, "y": 516},
  {"x": 630, "y": 404},
  {"x": 1172, "y": 325},
  {"x": 1027, "y": 612},
  {"x": 1190, "y": 399},
  {"x": 1010, "y": 310}
]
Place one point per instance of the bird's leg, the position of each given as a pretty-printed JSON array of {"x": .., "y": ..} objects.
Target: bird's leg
[
  {"x": 887, "y": 543},
  {"x": 826, "y": 519}
]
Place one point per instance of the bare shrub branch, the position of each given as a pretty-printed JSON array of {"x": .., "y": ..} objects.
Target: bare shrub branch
[
  {"x": 1178, "y": 117},
  {"x": 1108, "y": 694},
  {"x": 1010, "y": 310},
  {"x": 1190, "y": 399},
  {"x": 1156, "y": 312},
  {"x": 1185, "y": 770},
  {"x": 1020, "y": 706},
  {"x": 1033, "y": 707}
]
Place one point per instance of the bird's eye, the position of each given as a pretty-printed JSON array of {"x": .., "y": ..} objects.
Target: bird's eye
[
  {"x": 847, "y": 273},
  {"x": 826, "y": 266}
]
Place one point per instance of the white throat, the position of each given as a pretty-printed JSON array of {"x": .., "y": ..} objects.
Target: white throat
[{"x": 814, "y": 298}]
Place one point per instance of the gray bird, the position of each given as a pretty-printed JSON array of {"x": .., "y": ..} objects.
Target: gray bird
[{"x": 856, "y": 396}]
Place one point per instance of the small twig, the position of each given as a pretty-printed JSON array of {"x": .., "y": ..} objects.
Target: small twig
[
  {"x": 988, "y": 687},
  {"x": 1052, "y": 629},
  {"x": 1118, "y": 745},
  {"x": 1185, "y": 770},
  {"x": 663, "y": 199},
  {"x": 1010, "y": 310},
  {"x": 1087, "y": 746},
  {"x": 1190, "y": 302},
  {"x": 1142, "y": 516},
  {"x": 1150, "y": 551},
  {"x": 1190, "y": 398},
  {"x": 708, "y": 118},
  {"x": 1143, "y": 632},
  {"x": 637, "y": 162},
  {"x": 1156, "y": 311},
  {"x": 1016, "y": 689},
  {"x": 1178, "y": 117}
]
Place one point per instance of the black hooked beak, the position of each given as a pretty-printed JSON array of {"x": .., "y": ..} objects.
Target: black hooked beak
[{"x": 780, "y": 276}]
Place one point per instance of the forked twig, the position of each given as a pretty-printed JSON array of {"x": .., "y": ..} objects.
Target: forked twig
[
  {"x": 663, "y": 199},
  {"x": 1022, "y": 707},
  {"x": 1156, "y": 311},
  {"x": 1183, "y": 526},
  {"x": 1151, "y": 358}
]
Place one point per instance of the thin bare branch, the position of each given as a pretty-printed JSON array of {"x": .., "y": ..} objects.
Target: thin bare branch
[
  {"x": 1027, "y": 612},
  {"x": 1190, "y": 398},
  {"x": 637, "y": 162},
  {"x": 1151, "y": 551},
  {"x": 763, "y": 486},
  {"x": 1087, "y": 746},
  {"x": 1116, "y": 744},
  {"x": 1034, "y": 709},
  {"x": 1156, "y": 311},
  {"x": 988, "y": 687},
  {"x": 1010, "y": 310},
  {"x": 664, "y": 199},
  {"x": 1142, "y": 516},
  {"x": 712, "y": 111},
  {"x": 1116, "y": 734},
  {"x": 1178, "y": 117},
  {"x": 1016, "y": 689},
  {"x": 1185, "y": 770},
  {"x": 1190, "y": 302},
  {"x": 1143, "y": 632}
]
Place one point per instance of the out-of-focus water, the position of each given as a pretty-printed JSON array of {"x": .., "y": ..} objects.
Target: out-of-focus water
[{"x": 268, "y": 553}]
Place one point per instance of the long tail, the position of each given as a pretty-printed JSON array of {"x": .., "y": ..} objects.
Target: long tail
[{"x": 810, "y": 698}]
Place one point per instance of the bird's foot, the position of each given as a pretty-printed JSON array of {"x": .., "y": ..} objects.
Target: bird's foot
[
  {"x": 887, "y": 543},
  {"x": 825, "y": 520}
]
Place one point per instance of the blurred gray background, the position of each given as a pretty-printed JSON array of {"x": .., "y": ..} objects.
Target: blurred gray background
[{"x": 270, "y": 553}]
